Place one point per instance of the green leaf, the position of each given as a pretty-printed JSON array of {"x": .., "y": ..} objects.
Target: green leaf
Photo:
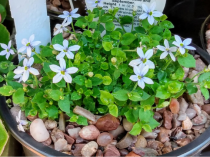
[
  {"x": 121, "y": 95},
  {"x": 55, "y": 94},
  {"x": 109, "y": 26},
  {"x": 96, "y": 35},
  {"x": 90, "y": 17},
  {"x": 166, "y": 24},
  {"x": 4, "y": 137},
  {"x": 191, "y": 88},
  {"x": 82, "y": 121},
  {"x": 163, "y": 104},
  {"x": 115, "y": 35},
  {"x": 47, "y": 67},
  {"x": 104, "y": 66},
  {"x": 3, "y": 13},
  {"x": 136, "y": 130},
  {"x": 145, "y": 24},
  {"x": 96, "y": 81},
  {"x": 87, "y": 33},
  {"x": 88, "y": 83},
  {"x": 75, "y": 96},
  {"x": 4, "y": 37},
  {"x": 46, "y": 52},
  {"x": 145, "y": 116},
  {"x": 52, "y": 112},
  {"x": 64, "y": 104},
  {"x": 106, "y": 98},
  {"x": 80, "y": 80},
  {"x": 131, "y": 115},
  {"x": 58, "y": 39},
  {"x": 14, "y": 85},
  {"x": 156, "y": 30},
  {"x": 167, "y": 34},
  {"x": 134, "y": 96},
  {"x": 156, "y": 37},
  {"x": 113, "y": 110},
  {"x": 147, "y": 128},
  {"x": 150, "y": 101},
  {"x": 38, "y": 98},
  {"x": 175, "y": 86},
  {"x": 106, "y": 18},
  {"x": 126, "y": 20},
  {"x": 205, "y": 93},
  {"x": 118, "y": 53},
  {"x": 107, "y": 80},
  {"x": 93, "y": 25},
  {"x": 204, "y": 77},
  {"x": 107, "y": 45},
  {"x": 140, "y": 29},
  {"x": 179, "y": 74},
  {"x": 162, "y": 92},
  {"x": 89, "y": 103},
  {"x": 188, "y": 61},
  {"x": 127, "y": 38},
  {"x": 6, "y": 90},
  {"x": 153, "y": 123},
  {"x": 61, "y": 84},
  {"x": 18, "y": 96}
]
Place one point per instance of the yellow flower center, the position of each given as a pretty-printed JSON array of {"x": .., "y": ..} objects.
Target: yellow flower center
[
  {"x": 96, "y": 2},
  {"x": 7, "y": 50},
  {"x": 26, "y": 68},
  {"x": 150, "y": 13},
  {"x": 145, "y": 60},
  {"x": 167, "y": 49},
  {"x": 63, "y": 72},
  {"x": 181, "y": 45},
  {"x": 28, "y": 44},
  {"x": 139, "y": 77},
  {"x": 64, "y": 51}
]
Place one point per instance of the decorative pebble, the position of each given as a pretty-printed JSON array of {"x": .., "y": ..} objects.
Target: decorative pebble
[
  {"x": 32, "y": 118},
  {"x": 117, "y": 132},
  {"x": 50, "y": 124},
  {"x": 99, "y": 153},
  {"x": 69, "y": 139},
  {"x": 167, "y": 118},
  {"x": 89, "y": 149},
  {"x": 15, "y": 110},
  {"x": 69, "y": 127},
  {"x": 61, "y": 145},
  {"x": 197, "y": 109},
  {"x": 157, "y": 145},
  {"x": 77, "y": 150},
  {"x": 187, "y": 124},
  {"x": 62, "y": 122},
  {"x": 47, "y": 142},
  {"x": 200, "y": 65},
  {"x": 175, "y": 122},
  {"x": 132, "y": 154},
  {"x": 85, "y": 113},
  {"x": 150, "y": 135},
  {"x": 123, "y": 152},
  {"x": 104, "y": 139},
  {"x": 164, "y": 134},
  {"x": 145, "y": 151},
  {"x": 57, "y": 134},
  {"x": 89, "y": 132},
  {"x": 38, "y": 131},
  {"x": 183, "y": 142},
  {"x": 199, "y": 120},
  {"x": 127, "y": 125},
  {"x": 107, "y": 123},
  {"x": 196, "y": 98},
  {"x": 206, "y": 108},
  {"x": 166, "y": 150},
  {"x": 191, "y": 113},
  {"x": 198, "y": 127},
  {"x": 183, "y": 105},
  {"x": 157, "y": 116},
  {"x": 74, "y": 132},
  {"x": 174, "y": 106},
  {"x": 186, "y": 72},
  {"x": 182, "y": 116},
  {"x": 125, "y": 142},
  {"x": 111, "y": 151},
  {"x": 141, "y": 141}
]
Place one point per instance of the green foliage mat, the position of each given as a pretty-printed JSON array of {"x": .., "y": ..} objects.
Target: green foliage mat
[{"x": 3, "y": 137}]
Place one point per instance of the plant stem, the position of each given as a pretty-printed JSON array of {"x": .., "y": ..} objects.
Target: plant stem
[
  {"x": 68, "y": 87},
  {"x": 130, "y": 50},
  {"x": 167, "y": 64},
  {"x": 72, "y": 27},
  {"x": 132, "y": 24},
  {"x": 39, "y": 56},
  {"x": 196, "y": 75},
  {"x": 120, "y": 24},
  {"x": 99, "y": 20},
  {"x": 36, "y": 80},
  {"x": 135, "y": 86}
]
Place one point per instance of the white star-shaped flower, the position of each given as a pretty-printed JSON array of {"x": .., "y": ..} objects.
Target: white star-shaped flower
[
  {"x": 62, "y": 72},
  {"x": 61, "y": 27},
  {"x": 65, "y": 50},
  {"x": 95, "y": 3},
  {"x": 144, "y": 59},
  {"x": 19, "y": 76},
  {"x": 69, "y": 15},
  {"x": 140, "y": 72},
  {"x": 26, "y": 69},
  {"x": 7, "y": 50},
  {"x": 167, "y": 50},
  {"x": 21, "y": 122},
  {"x": 150, "y": 13},
  {"x": 183, "y": 44},
  {"x": 29, "y": 45}
]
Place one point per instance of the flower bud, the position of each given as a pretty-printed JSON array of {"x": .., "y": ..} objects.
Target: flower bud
[
  {"x": 51, "y": 102},
  {"x": 25, "y": 89},
  {"x": 51, "y": 46},
  {"x": 110, "y": 11},
  {"x": 8, "y": 101},
  {"x": 61, "y": 97},
  {"x": 114, "y": 60},
  {"x": 55, "y": 52},
  {"x": 90, "y": 74},
  {"x": 135, "y": 8}
]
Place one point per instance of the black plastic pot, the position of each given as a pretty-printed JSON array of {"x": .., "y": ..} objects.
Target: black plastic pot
[
  {"x": 36, "y": 148},
  {"x": 203, "y": 32}
]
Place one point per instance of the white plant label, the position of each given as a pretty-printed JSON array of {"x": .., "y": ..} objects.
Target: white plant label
[
  {"x": 126, "y": 8},
  {"x": 30, "y": 17}
]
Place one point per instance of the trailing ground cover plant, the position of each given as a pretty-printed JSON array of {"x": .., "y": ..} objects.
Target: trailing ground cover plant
[{"x": 123, "y": 73}]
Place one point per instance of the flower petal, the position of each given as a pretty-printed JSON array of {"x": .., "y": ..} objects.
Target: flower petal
[
  {"x": 20, "y": 128},
  {"x": 29, "y": 51},
  {"x": 172, "y": 56},
  {"x": 57, "y": 78},
  {"x": 4, "y": 52},
  {"x": 135, "y": 62},
  {"x": 143, "y": 16},
  {"x": 19, "y": 70},
  {"x": 66, "y": 13},
  {"x": 72, "y": 70},
  {"x": 65, "y": 44},
  {"x": 75, "y": 10},
  {"x": 25, "y": 75},
  {"x": 190, "y": 48},
  {"x": 148, "y": 80},
  {"x": 35, "y": 43},
  {"x": 22, "y": 49},
  {"x": 75, "y": 15},
  {"x": 69, "y": 19},
  {"x": 173, "y": 49},
  {"x": 24, "y": 42},
  {"x": 134, "y": 78},
  {"x": 7, "y": 56},
  {"x": 11, "y": 51},
  {"x": 55, "y": 68},
  {"x": 17, "y": 76},
  {"x": 70, "y": 55},
  {"x": 182, "y": 50},
  {"x": 176, "y": 43},
  {"x": 4, "y": 46},
  {"x": 74, "y": 48},
  {"x": 161, "y": 48},
  {"x": 58, "y": 47},
  {"x": 136, "y": 70},
  {"x": 163, "y": 55},
  {"x": 140, "y": 53},
  {"x": 150, "y": 64},
  {"x": 141, "y": 84},
  {"x": 145, "y": 8},
  {"x": 63, "y": 16},
  {"x": 157, "y": 14},
  {"x": 23, "y": 122},
  {"x": 178, "y": 39},
  {"x": 30, "y": 61},
  {"x": 33, "y": 71},
  {"x": 152, "y": 6},
  {"x": 62, "y": 64},
  {"x": 151, "y": 20},
  {"x": 149, "y": 54},
  {"x": 67, "y": 78},
  {"x": 144, "y": 71},
  {"x": 187, "y": 41},
  {"x": 60, "y": 55},
  {"x": 58, "y": 31},
  {"x": 166, "y": 43},
  {"x": 25, "y": 62},
  {"x": 31, "y": 38},
  {"x": 9, "y": 44}
]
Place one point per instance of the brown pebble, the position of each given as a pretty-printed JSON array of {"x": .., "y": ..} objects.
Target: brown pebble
[
  {"x": 104, "y": 139},
  {"x": 110, "y": 151},
  {"x": 69, "y": 139},
  {"x": 77, "y": 150},
  {"x": 206, "y": 108},
  {"x": 69, "y": 127},
  {"x": 47, "y": 142},
  {"x": 125, "y": 142},
  {"x": 123, "y": 152},
  {"x": 187, "y": 124},
  {"x": 57, "y": 134},
  {"x": 99, "y": 153},
  {"x": 166, "y": 150},
  {"x": 164, "y": 134},
  {"x": 89, "y": 132},
  {"x": 157, "y": 116},
  {"x": 132, "y": 154},
  {"x": 32, "y": 118},
  {"x": 199, "y": 120},
  {"x": 174, "y": 106},
  {"x": 167, "y": 117},
  {"x": 157, "y": 145},
  {"x": 183, "y": 142},
  {"x": 141, "y": 141},
  {"x": 117, "y": 132}
]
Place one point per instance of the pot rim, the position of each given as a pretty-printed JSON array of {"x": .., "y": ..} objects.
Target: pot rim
[
  {"x": 26, "y": 140},
  {"x": 202, "y": 32}
]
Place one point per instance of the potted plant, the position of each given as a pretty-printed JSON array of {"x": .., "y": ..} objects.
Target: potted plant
[{"x": 122, "y": 93}]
